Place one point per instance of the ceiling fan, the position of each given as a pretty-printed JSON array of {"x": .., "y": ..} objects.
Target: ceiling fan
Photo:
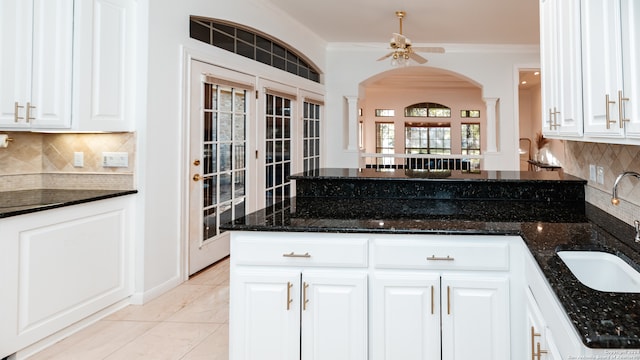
[{"x": 401, "y": 49}]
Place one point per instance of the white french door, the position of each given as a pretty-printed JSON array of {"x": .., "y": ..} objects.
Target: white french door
[
  {"x": 220, "y": 108},
  {"x": 279, "y": 146}
]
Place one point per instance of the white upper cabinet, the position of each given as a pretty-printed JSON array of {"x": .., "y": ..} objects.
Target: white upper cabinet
[
  {"x": 67, "y": 65},
  {"x": 630, "y": 10},
  {"x": 561, "y": 68},
  {"x": 35, "y": 65},
  {"x": 611, "y": 79},
  {"x": 104, "y": 86}
]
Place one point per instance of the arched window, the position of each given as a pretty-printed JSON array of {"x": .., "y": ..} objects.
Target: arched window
[
  {"x": 427, "y": 110},
  {"x": 252, "y": 44}
]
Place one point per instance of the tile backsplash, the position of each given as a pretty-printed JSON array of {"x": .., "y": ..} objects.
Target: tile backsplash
[
  {"x": 46, "y": 160},
  {"x": 614, "y": 159}
]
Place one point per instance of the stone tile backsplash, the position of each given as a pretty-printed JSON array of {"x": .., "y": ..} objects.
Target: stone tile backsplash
[
  {"x": 45, "y": 160},
  {"x": 614, "y": 159}
]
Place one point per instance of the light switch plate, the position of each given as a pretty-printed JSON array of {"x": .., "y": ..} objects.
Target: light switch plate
[
  {"x": 592, "y": 172},
  {"x": 115, "y": 159},
  {"x": 78, "y": 159},
  {"x": 600, "y": 175}
]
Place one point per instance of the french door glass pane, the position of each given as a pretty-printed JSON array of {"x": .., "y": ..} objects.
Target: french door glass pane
[
  {"x": 224, "y": 156},
  {"x": 278, "y": 148},
  {"x": 311, "y": 136}
]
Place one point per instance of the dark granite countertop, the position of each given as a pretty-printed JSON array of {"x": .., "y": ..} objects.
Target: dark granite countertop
[
  {"x": 13, "y": 203},
  {"x": 604, "y": 320}
]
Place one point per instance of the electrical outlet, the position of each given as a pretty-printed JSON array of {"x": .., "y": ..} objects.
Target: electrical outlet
[
  {"x": 115, "y": 159},
  {"x": 600, "y": 175},
  {"x": 78, "y": 159},
  {"x": 592, "y": 172}
]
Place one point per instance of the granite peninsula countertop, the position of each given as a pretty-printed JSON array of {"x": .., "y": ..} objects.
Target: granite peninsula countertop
[
  {"x": 13, "y": 203},
  {"x": 603, "y": 320}
]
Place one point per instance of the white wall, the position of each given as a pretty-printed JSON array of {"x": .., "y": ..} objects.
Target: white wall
[
  {"x": 490, "y": 66},
  {"x": 161, "y": 177}
]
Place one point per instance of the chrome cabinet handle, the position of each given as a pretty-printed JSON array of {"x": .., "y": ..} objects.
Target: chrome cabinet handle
[
  {"x": 305, "y": 300},
  {"x": 607, "y": 112},
  {"x": 289, "y": 299},
  {"x": 540, "y": 352},
  {"x": 16, "y": 110},
  {"x": 433, "y": 300},
  {"x": 555, "y": 118},
  {"x": 621, "y": 109},
  {"x": 294, "y": 255},
  {"x": 28, "y": 115},
  {"x": 533, "y": 342},
  {"x": 435, "y": 258},
  {"x": 448, "y": 300}
]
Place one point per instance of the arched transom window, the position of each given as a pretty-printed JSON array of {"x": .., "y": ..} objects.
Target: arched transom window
[
  {"x": 252, "y": 44},
  {"x": 427, "y": 110}
]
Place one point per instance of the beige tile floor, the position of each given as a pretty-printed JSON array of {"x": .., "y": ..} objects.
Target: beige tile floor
[{"x": 190, "y": 322}]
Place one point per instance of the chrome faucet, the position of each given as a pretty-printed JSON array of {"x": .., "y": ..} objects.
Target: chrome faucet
[{"x": 614, "y": 195}]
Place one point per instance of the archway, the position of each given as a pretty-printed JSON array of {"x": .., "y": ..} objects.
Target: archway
[{"x": 384, "y": 97}]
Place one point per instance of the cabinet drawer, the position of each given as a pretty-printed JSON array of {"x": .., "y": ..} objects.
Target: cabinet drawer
[
  {"x": 454, "y": 252},
  {"x": 298, "y": 249}
]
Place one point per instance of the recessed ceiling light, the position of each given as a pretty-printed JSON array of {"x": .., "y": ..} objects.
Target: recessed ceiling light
[
  {"x": 523, "y": 82},
  {"x": 536, "y": 73}
]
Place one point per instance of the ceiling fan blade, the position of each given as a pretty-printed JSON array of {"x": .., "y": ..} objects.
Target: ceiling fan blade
[
  {"x": 398, "y": 41},
  {"x": 386, "y": 56},
  {"x": 438, "y": 50},
  {"x": 417, "y": 58}
]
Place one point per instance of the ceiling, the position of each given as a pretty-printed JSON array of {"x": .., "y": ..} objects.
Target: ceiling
[{"x": 426, "y": 22}]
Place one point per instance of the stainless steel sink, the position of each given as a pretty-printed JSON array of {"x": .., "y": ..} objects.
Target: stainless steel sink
[{"x": 602, "y": 271}]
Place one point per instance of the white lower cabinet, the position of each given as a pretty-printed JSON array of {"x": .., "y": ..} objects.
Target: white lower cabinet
[
  {"x": 440, "y": 316},
  {"x": 405, "y": 316},
  {"x": 298, "y": 308},
  {"x": 475, "y": 323},
  {"x": 371, "y": 296},
  {"x": 308, "y": 315},
  {"x": 60, "y": 266}
]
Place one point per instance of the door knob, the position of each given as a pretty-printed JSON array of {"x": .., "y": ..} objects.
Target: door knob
[
  {"x": 197, "y": 177},
  {"x": 196, "y": 162}
]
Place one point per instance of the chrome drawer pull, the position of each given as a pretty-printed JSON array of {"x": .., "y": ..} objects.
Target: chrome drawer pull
[
  {"x": 433, "y": 257},
  {"x": 294, "y": 255}
]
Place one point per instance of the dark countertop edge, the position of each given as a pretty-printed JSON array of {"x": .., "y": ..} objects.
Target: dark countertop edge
[
  {"x": 435, "y": 179},
  {"x": 345, "y": 174},
  {"x": 99, "y": 195},
  {"x": 545, "y": 258}
]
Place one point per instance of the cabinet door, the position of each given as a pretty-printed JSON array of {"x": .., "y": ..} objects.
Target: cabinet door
[
  {"x": 266, "y": 320},
  {"x": 548, "y": 66},
  {"x": 334, "y": 315},
  {"x": 631, "y": 57},
  {"x": 50, "y": 103},
  {"x": 58, "y": 267},
  {"x": 602, "y": 67},
  {"x": 104, "y": 65},
  {"x": 15, "y": 72},
  {"x": 475, "y": 317},
  {"x": 561, "y": 67},
  {"x": 535, "y": 330},
  {"x": 406, "y": 316},
  {"x": 569, "y": 96}
]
